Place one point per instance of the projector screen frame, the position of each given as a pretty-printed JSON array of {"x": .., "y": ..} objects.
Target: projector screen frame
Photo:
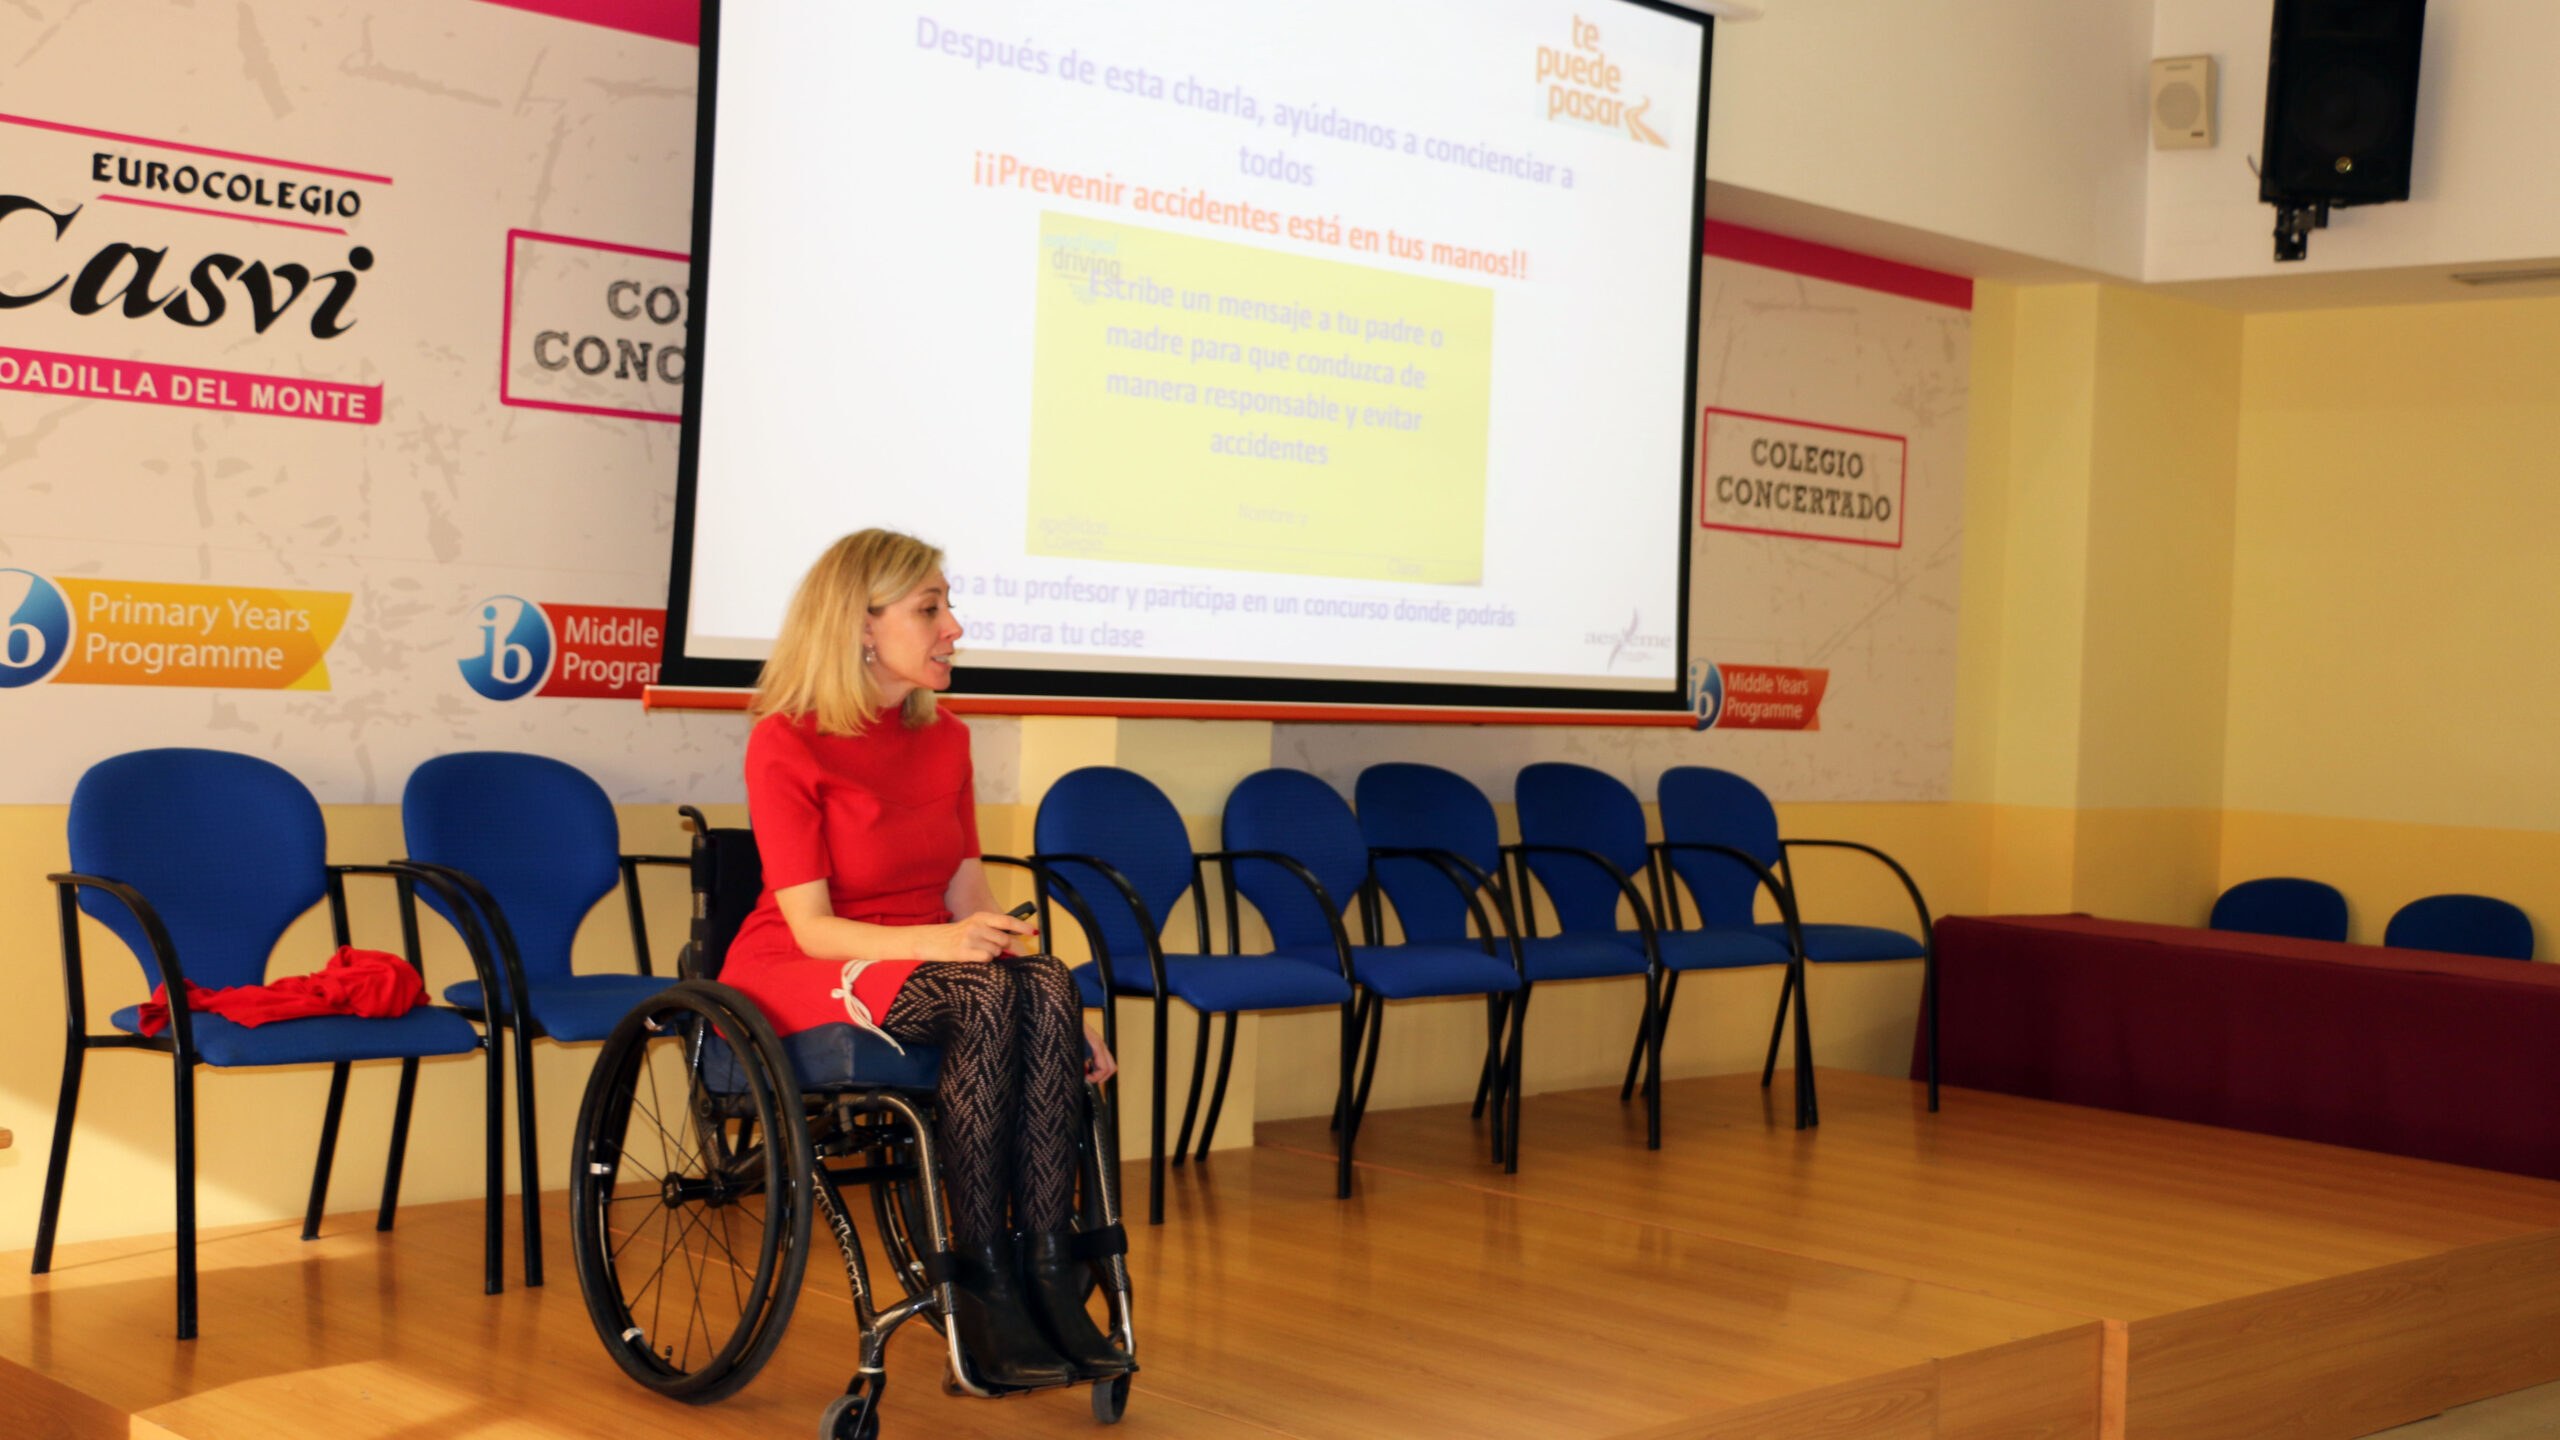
[{"x": 988, "y": 689}]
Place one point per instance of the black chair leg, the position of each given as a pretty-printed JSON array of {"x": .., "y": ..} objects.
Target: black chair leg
[
  {"x": 528, "y": 1156},
  {"x": 57, "y": 1165},
  {"x": 1359, "y": 1027},
  {"x": 1199, "y": 1074},
  {"x": 1343, "y": 1126},
  {"x": 1635, "y": 1052},
  {"x": 1218, "y": 1091},
  {"x": 1369, "y": 1067},
  {"x": 186, "y": 1102},
  {"x": 1653, "y": 1061},
  {"x": 1929, "y": 1000},
  {"x": 1808, "y": 1103},
  {"x": 319, "y": 1200},
  {"x": 1511, "y": 1077},
  {"x": 1155, "y": 1126},
  {"x": 399, "y": 1143},
  {"x": 493, "y": 1239},
  {"x": 1497, "y": 1015},
  {"x": 1778, "y": 1026}
]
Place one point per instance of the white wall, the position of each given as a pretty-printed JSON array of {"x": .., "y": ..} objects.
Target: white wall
[
  {"x": 2013, "y": 124},
  {"x": 2487, "y": 182}
]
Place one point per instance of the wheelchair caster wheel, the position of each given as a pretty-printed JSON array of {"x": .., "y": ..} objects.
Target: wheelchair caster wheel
[
  {"x": 851, "y": 1417},
  {"x": 1111, "y": 1399}
]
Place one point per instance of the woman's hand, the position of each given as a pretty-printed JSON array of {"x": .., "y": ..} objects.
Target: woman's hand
[
  {"x": 975, "y": 938},
  {"x": 1098, "y": 1065}
]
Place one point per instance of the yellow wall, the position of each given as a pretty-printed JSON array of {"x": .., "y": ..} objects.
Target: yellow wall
[{"x": 2395, "y": 669}]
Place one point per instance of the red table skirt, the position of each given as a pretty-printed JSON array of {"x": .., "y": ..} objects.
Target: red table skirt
[{"x": 2443, "y": 1057}]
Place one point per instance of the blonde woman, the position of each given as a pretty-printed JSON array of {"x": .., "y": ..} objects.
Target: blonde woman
[{"x": 877, "y": 912}]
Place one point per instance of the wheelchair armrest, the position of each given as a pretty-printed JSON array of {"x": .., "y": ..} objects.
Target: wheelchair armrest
[
  {"x": 1304, "y": 876},
  {"x": 631, "y": 902},
  {"x": 1608, "y": 867},
  {"x": 1928, "y": 935},
  {"x": 164, "y": 955},
  {"x": 1457, "y": 869},
  {"x": 1137, "y": 909}
]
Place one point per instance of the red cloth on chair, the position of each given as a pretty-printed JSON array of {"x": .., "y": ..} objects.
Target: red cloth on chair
[{"x": 354, "y": 982}]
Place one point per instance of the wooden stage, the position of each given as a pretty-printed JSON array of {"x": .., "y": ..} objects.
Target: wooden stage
[{"x": 2005, "y": 1269}]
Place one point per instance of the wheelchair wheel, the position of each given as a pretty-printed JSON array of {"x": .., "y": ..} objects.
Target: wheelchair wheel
[
  {"x": 1111, "y": 1399},
  {"x": 689, "y": 1192}
]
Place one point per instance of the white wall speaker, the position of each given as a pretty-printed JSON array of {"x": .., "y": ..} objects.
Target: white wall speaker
[{"x": 2182, "y": 103}]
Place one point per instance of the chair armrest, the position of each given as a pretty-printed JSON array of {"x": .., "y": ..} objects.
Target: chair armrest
[
  {"x": 500, "y": 972},
  {"x": 1928, "y": 935},
  {"x": 630, "y": 862},
  {"x": 1048, "y": 880},
  {"x": 1608, "y": 867},
  {"x": 1304, "y": 876},
  {"x": 164, "y": 955},
  {"x": 1782, "y": 892},
  {"x": 1137, "y": 908},
  {"x": 1458, "y": 870}
]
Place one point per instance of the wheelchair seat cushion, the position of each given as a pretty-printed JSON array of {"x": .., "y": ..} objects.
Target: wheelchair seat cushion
[
  {"x": 582, "y": 1007},
  {"x": 1219, "y": 984},
  {"x": 833, "y": 1057},
  {"x": 1412, "y": 972},
  {"x": 321, "y": 1038},
  {"x": 1843, "y": 943}
]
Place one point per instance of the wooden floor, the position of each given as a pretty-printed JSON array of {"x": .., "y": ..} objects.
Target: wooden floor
[{"x": 2003, "y": 1269}]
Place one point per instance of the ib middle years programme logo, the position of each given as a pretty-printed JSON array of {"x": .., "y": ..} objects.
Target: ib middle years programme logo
[{"x": 512, "y": 648}]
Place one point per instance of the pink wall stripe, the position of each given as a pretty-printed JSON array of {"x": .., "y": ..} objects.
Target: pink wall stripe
[
  {"x": 1829, "y": 262},
  {"x": 677, "y": 20}
]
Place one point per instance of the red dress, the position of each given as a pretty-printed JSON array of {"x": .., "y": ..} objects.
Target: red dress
[{"x": 884, "y": 817}]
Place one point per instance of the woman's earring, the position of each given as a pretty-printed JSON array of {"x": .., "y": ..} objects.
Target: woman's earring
[{"x": 869, "y": 655}]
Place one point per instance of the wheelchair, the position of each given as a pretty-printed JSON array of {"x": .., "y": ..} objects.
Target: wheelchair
[{"x": 707, "y": 1149}]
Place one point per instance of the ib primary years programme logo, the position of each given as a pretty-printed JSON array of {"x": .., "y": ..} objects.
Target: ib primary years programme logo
[
  {"x": 512, "y": 648},
  {"x": 35, "y": 628},
  {"x": 86, "y": 631}
]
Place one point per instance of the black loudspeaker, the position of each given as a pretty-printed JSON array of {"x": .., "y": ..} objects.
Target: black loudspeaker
[{"x": 2342, "y": 107}]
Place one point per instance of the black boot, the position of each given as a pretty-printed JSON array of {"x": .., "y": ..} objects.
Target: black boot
[
  {"x": 1004, "y": 1348},
  {"x": 1054, "y": 1280}
]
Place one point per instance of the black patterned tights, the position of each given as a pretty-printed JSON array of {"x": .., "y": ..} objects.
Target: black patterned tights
[{"x": 1011, "y": 1033}]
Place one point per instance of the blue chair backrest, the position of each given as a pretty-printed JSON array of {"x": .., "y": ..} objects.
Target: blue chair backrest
[
  {"x": 229, "y": 849},
  {"x": 537, "y": 832},
  {"x": 1705, "y": 806},
  {"x": 1303, "y": 818},
  {"x": 1404, "y": 806},
  {"x": 1119, "y": 817},
  {"x": 2462, "y": 925},
  {"x": 2282, "y": 905},
  {"x": 1588, "y": 809}
]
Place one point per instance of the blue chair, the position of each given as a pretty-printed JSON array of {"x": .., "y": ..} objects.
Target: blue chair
[
  {"x": 1111, "y": 836},
  {"x": 2280, "y": 905},
  {"x": 211, "y": 855},
  {"x": 533, "y": 843},
  {"x": 1582, "y": 836},
  {"x": 2462, "y": 925},
  {"x": 1435, "y": 847},
  {"x": 1292, "y": 815},
  {"x": 1720, "y": 841}
]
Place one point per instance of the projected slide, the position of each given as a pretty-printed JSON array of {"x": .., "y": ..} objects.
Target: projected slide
[{"x": 1323, "y": 342}]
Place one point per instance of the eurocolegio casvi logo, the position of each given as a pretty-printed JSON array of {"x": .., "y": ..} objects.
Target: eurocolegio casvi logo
[
  {"x": 35, "y": 628},
  {"x": 506, "y": 647}
]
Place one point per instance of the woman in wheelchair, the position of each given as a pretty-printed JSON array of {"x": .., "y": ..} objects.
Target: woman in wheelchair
[{"x": 865, "y": 815}]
